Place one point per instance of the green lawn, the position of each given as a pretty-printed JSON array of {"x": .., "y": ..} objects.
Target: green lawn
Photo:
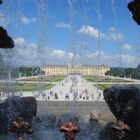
[
  {"x": 27, "y": 86},
  {"x": 103, "y": 86},
  {"x": 103, "y": 79},
  {"x": 46, "y": 79}
]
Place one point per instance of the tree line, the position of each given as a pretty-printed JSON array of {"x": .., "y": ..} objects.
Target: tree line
[
  {"x": 125, "y": 72},
  {"x": 19, "y": 72}
]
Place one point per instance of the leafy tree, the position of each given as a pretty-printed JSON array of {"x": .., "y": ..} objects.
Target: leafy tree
[
  {"x": 30, "y": 71},
  {"x": 129, "y": 72},
  {"x": 125, "y": 72}
]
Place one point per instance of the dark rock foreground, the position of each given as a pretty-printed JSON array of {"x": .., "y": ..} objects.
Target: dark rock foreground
[{"x": 124, "y": 103}]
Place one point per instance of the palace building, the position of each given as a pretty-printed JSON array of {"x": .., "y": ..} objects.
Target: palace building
[{"x": 75, "y": 69}]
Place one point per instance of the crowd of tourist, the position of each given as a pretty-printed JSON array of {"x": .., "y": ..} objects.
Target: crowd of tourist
[{"x": 72, "y": 88}]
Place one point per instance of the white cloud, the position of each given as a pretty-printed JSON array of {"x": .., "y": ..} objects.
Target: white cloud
[
  {"x": 114, "y": 34},
  {"x": 60, "y": 57},
  {"x": 126, "y": 47},
  {"x": 91, "y": 31},
  {"x": 26, "y": 20},
  {"x": 26, "y": 53},
  {"x": 62, "y": 25},
  {"x": 58, "y": 52},
  {"x": 99, "y": 57},
  {"x": 128, "y": 58},
  {"x": 20, "y": 41},
  {"x": 31, "y": 54},
  {"x": 98, "y": 53},
  {"x": 70, "y": 54}
]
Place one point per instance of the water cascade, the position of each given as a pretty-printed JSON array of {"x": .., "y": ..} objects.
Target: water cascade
[
  {"x": 42, "y": 11},
  {"x": 75, "y": 104},
  {"x": 72, "y": 4}
]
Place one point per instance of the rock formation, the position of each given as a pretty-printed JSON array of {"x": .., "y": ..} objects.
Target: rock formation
[
  {"x": 5, "y": 40},
  {"x": 116, "y": 131},
  {"x": 13, "y": 107},
  {"x": 134, "y": 7},
  {"x": 94, "y": 116},
  {"x": 124, "y": 103}
]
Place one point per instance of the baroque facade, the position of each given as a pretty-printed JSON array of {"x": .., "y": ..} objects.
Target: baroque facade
[{"x": 75, "y": 69}]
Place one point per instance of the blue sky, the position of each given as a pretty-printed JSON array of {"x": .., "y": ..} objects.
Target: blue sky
[{"x": 55, "y": 31}]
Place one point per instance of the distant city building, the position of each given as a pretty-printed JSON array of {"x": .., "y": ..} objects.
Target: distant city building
[{"x": 75, "y": 69}]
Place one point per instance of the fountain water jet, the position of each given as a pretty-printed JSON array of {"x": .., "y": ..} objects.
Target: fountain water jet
[{"x": 73, "y": 48}]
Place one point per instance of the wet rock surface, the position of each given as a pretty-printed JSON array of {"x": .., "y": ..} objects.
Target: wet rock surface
[
  {"x": 88, "y": 131},
  {"x": 113, "y": 132},
  {"x": 5, "y": 40},
  {"x": 134, "y": 7},
  {"x": 124, "y": 103},
  {"x": 20, "y": 127},
  {"x": 70, "y": 117},
  {"x": 14, "y": 107},
  {"x": 94, "y": 116},
  {"x": 44, "y": 121}
]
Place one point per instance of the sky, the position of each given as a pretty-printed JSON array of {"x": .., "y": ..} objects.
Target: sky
[{"x": 92, "y": 32}]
